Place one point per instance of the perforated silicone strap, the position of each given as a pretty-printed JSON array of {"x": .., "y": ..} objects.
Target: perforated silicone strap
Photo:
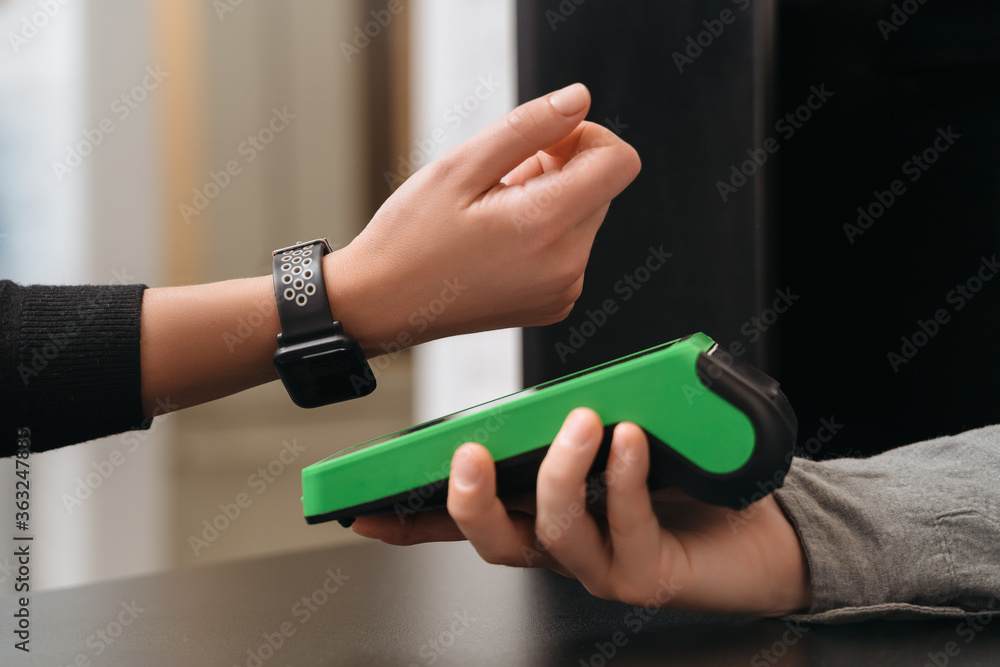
[{"x": 300, "y": 291}]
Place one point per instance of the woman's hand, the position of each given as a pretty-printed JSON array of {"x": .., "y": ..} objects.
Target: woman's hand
[
  {"x": 666, "y": 547},
  {"x": 495, "y": 233}
]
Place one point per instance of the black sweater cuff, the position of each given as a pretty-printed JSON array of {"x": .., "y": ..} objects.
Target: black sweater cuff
[{"x": 69, "y": 363}]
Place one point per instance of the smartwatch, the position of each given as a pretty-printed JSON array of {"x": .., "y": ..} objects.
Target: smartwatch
[{"x": 317, "y": 361}]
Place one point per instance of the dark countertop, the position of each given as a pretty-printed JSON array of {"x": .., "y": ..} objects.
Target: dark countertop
[{"x": 433, "y": 604}]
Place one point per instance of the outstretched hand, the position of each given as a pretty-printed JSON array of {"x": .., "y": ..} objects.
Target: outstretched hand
[
  {"x": 634, "y": 547},
  {"x": 495, "y": 233}
]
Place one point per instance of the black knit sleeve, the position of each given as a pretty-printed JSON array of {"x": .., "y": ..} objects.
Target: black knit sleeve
[{"x": 69, "y": 363}]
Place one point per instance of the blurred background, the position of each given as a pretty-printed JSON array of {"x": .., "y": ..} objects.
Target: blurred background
[{"x": 117, "y": 122}]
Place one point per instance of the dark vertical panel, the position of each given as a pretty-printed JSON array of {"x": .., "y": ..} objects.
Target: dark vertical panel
[
  {"x": 894, "y": 89},
  {"x": 387, "y": 99},
  {"x": 894, "y": 77},
  {"x": 689, "y": 125}
]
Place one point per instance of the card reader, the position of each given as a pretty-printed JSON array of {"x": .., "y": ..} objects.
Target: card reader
[{"x": 719, "y": 429}]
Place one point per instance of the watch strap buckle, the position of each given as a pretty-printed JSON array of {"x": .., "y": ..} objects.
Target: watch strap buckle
[{"x": 304, "y": 244}]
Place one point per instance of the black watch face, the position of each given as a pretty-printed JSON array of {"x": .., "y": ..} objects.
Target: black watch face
[{"x": 324, "y": 371}]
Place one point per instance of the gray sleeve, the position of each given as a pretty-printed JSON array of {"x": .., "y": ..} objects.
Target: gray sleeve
[{"x": 911, "y": 533}]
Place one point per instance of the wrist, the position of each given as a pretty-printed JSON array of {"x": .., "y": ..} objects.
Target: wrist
[
  {"x": 360, "y": 304},
  {"x": 793, "y": 593}
]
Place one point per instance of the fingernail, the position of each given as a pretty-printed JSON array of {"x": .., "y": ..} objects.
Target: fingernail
[
  {"x": 464, "y": 469},
  {"x": 575, "y": 431},
  {"x": 570, "y": 99}
]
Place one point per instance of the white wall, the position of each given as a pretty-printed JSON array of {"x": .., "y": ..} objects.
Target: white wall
[
  {"x": 455, "y": 44},
  {"x": 95, "y": 224}
]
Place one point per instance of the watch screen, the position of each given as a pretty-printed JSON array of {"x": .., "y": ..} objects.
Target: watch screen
[
  {"x": 321, "y": 365},
  {"x": 323, "y": 373}
]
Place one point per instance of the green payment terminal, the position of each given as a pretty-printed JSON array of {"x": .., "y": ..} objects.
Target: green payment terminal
[{"x": 719, "y": 429}]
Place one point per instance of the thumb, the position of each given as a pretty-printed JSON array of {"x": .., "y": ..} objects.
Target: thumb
[{"x": 493, "y": 153}]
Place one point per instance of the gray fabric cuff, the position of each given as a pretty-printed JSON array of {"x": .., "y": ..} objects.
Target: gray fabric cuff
[{"x": 911, "y": 533}]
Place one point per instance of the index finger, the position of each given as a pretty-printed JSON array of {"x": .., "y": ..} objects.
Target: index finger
[
  {"x": 529, "y": 128},
  {"x": 587, "y": 169}
]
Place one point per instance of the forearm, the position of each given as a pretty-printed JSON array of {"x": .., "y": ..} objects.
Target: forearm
[{"x": 203, "y": 342}]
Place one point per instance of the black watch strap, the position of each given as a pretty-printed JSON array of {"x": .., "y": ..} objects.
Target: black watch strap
[{"x": 300, "y": 291}]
